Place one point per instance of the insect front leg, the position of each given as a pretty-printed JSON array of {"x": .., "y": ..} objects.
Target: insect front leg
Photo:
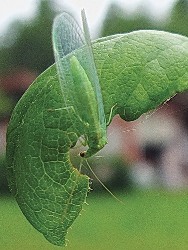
[{"x": 110, "y": 116}]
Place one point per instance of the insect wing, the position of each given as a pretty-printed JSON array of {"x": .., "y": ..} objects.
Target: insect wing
[
  {"x": 66, "y": 37},
  {"x": 92, "y": 72}
]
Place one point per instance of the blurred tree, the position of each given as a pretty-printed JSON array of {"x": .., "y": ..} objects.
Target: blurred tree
[
  {"x": 28, "y": 44},
  {"x": 179, "y": 18},
  {"x": 117, "y": 21}
]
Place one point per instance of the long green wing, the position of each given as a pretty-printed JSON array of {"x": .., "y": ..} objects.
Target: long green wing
[
  {"x": 137, "y": 71},
  {"x": 93, "y": 72},
  {"x": 67, "y": 35},
  {"x": 67, "y": 38}
]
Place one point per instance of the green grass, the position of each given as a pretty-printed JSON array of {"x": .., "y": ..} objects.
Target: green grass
[{"x": 147, "y": 220}]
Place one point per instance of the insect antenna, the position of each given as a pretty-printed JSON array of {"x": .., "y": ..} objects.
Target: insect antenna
[{"x": 98, "y": 179}]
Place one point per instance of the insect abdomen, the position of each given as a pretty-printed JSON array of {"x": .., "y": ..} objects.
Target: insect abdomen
[{"x": 86, "y": 103}]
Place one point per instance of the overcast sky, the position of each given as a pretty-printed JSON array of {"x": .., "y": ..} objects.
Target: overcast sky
[{"x": 95, "y": 9}]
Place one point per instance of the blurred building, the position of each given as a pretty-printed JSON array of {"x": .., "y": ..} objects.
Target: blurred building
[{"x": 155, "y": 146}]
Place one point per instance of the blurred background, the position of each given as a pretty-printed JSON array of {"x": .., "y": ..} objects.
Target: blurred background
[{"x": 145, "y": 163}]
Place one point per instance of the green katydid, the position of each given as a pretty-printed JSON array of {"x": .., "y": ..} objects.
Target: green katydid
[
  {"x": 80, "y": 84},
  {"x": 78, "y": 79}
]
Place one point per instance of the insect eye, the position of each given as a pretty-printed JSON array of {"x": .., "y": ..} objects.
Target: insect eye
[{"x": 82, "y": 154}]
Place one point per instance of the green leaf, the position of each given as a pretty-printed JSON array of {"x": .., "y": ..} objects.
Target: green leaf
[
  {"x": 137, "y": 71},
  {"x": 49, "y": 191}
]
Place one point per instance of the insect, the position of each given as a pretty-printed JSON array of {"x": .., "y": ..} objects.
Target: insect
[{"x": 78, "y": 79}]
